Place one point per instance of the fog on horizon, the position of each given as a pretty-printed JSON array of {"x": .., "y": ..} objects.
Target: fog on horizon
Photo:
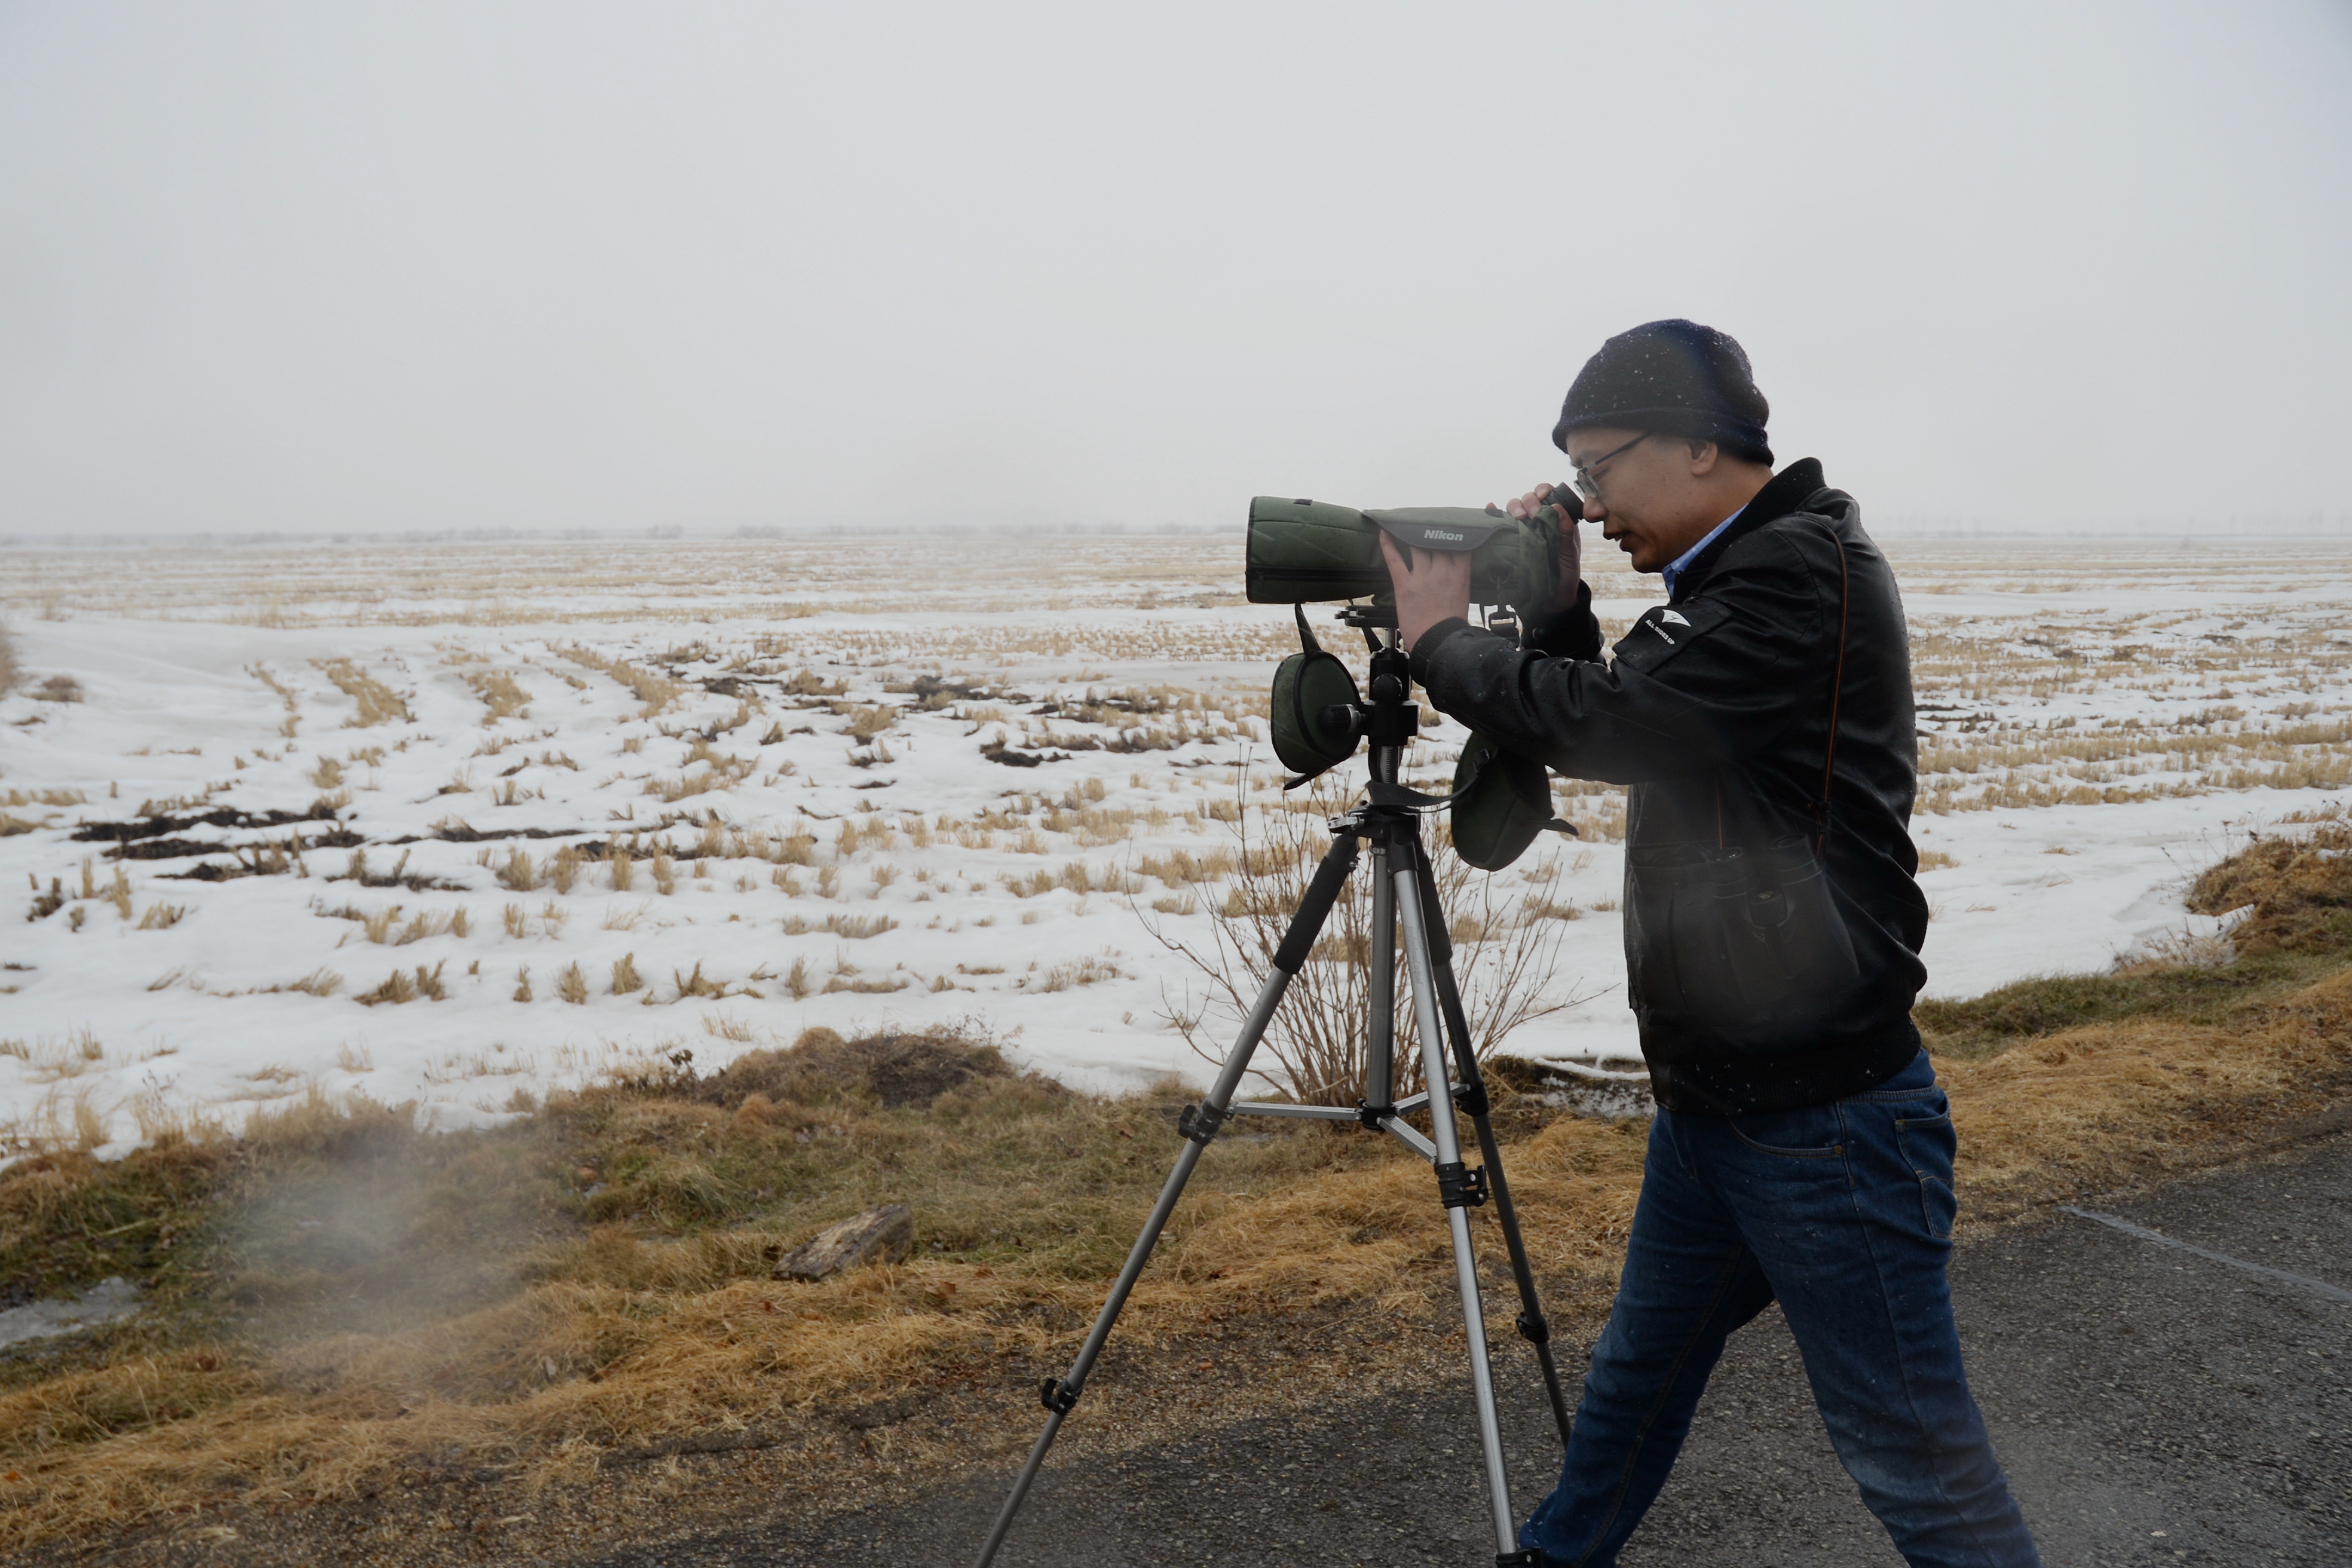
[{"x": 299, "y": 269}]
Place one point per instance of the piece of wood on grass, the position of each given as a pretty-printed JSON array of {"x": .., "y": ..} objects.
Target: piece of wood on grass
[{"x": 877, "y": 1236}]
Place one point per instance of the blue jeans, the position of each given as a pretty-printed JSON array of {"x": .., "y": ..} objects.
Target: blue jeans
[{"x": 1842, "y": 1213}]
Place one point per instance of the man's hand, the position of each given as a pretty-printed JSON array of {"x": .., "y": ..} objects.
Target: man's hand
[
  {"x": 1432, "y": 586},
  {"x": 1572, "y": 542}
]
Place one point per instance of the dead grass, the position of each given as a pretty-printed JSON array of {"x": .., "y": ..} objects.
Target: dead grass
[
  {"x": 378, "y": 703},
  {"x": 594, "y": 1276},
  {"x": 499, "y": 695},
  {"x": 856, "y": 927},
  {"x": 60, "y": 797},
  {"x": 399, "y": 986},
  {"x": 2296, "y": 885},
  {"x": 656, "y": 692},
  {"x": 9, "y": 667}
]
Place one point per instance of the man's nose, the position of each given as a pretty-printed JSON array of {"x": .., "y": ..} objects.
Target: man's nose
[{"x": 1594, "y": 511}]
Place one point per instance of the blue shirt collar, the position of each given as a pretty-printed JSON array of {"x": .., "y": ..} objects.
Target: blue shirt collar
[{"x": 1681, "y": 563}]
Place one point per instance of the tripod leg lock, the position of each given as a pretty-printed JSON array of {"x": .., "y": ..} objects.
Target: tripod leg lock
[
  {"x": 1534, "y": 1330},
  {"x": 1530, "y": 1558},
  {"x": 1460, "y": 1187},
  {"x": 1056, "y": 1395},
  {"x": 1470, "y": 1098},
  {"x": 1200, "y": 1122},
  {"x": 1372, "y": 1116}
]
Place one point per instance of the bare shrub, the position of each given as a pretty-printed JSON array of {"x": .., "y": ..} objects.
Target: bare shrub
[{"x": 1319, "y": 1037}]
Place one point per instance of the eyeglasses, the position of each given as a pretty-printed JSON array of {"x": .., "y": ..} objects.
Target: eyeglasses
[{"x": 1588, "y": 476}]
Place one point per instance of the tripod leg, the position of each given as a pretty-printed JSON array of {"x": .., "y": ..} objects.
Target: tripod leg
[
  {"x": 1380, "y": 1009},
  {"x": 1454, "y": 1192},
  {"x": 1199, "y": 1126},
  {"x": 1533, "y": 1328}
]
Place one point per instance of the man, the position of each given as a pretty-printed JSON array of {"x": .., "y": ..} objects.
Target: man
[{"x": 1802, "y": 1152}]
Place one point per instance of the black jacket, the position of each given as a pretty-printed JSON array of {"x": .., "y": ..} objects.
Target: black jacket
[{"x": 1716, "y": 710}]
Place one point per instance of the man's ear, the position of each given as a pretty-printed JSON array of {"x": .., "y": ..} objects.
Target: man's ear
[{"x": 1704, "y": 455}]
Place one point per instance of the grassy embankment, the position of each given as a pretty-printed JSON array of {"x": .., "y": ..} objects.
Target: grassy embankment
[{"x": 338, "y": 1305}]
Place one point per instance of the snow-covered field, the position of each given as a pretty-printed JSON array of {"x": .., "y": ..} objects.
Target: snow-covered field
[{"x": 458, "y": 821}]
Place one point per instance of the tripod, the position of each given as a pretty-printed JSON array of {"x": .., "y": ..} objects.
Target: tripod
[{"x": 1404, "y": 890}]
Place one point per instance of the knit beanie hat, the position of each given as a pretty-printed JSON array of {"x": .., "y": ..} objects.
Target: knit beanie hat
[{"x": 1676, "y": 378}]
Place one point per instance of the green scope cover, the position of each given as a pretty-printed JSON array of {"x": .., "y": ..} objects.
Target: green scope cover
[
  {"x": 1501, "y": 801},
  {"x": 1305, "y": 685},
  {"x": 1304, "y": 551}
]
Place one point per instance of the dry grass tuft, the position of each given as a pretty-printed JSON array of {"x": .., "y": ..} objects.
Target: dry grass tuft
[
  {"x": 656, "y": 692},
  {"x": 1080, "y": 972},
  {"x": 856, "y": 927},
  {"x": 404, "y": 985},
  {"x": 2298, "y": 886},
  {"x": 378, "y": 703},
  {"x": 500, "y": 694},
  {"x": 515, "y": 872}
]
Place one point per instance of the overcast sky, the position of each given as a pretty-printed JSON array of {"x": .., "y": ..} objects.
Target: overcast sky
[{"x": 311, "y": 267}]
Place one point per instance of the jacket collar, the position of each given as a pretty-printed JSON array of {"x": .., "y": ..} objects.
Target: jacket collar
[{"x": 1784, "y": 493}]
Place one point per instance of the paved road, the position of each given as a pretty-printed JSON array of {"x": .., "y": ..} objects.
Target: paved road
[{"x": 2153, "y": 1405}]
